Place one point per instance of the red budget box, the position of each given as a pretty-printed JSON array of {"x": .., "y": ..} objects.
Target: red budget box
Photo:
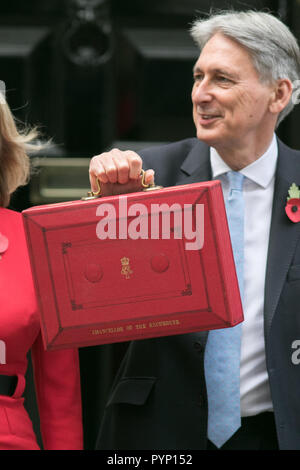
[{"x": 133, "y": 266}]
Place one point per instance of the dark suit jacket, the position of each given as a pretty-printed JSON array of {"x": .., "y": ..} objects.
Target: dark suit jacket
[{"x": 158, "y": 400}]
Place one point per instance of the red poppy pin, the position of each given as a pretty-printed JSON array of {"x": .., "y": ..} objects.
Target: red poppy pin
[
  {"x": 292, "y": 207},
  {"x": 3, "y": 244}
]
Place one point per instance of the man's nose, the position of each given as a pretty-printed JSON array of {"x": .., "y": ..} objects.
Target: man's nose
[{"x": 202, "y": 91}]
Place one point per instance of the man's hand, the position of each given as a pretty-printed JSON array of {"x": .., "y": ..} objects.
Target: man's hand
[{"x": 118, "y": 172}]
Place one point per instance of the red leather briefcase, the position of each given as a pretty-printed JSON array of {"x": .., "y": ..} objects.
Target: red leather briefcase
[{"x": 133, "y": 266}]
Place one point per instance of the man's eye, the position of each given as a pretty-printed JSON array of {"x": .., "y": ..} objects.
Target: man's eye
[
  {"x": 223, "y": 79},
  {"x": 198, "y": 77}
]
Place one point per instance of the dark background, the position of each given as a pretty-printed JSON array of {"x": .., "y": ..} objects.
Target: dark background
[{"x": 94, "y": 74}]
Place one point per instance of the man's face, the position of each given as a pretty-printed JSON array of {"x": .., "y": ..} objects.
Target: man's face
[{"x": 230, "y": 104}]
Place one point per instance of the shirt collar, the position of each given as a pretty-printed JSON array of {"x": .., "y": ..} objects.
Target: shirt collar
[{"x": 261, "y": 171}]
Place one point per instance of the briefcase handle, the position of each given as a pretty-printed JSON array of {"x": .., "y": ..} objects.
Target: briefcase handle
[{"x": 146, "y": 187}]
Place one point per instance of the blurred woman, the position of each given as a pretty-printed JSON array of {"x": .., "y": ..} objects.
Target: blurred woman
[{"x": 56, "y": 374}]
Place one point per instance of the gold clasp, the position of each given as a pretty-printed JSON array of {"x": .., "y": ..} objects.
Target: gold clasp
[{"x": 92, "y": 194}]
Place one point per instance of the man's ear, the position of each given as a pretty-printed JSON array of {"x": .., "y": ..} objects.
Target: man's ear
[{"x": 281, "y": 95}]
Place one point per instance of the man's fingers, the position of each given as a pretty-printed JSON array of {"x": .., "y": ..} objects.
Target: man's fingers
[
  {"x": 118, "y": 172},
  {"x": 149, "y": 177},
  {"x": 96, "y": 172},
  {"x": 135, "y": 164},
  {"x": 108, "y": 161},
  {"x": 116, "y": 166},
  {"x": 122, "y": 169}
]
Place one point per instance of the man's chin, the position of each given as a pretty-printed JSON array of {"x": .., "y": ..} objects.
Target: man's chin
[{"x": 210, "y": 138}]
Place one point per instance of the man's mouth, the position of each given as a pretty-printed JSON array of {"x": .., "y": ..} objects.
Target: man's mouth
[
  {"x": 206, "y": 119},
  {"x": 209, "y": 116},
  {"x": 205, "y": 114}
]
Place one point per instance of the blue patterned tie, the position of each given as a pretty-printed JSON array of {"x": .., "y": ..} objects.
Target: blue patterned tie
[{"x": 222, "y": 354}]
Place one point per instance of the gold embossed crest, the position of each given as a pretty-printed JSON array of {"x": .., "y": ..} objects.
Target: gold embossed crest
[{"x": 126, "y": 269}]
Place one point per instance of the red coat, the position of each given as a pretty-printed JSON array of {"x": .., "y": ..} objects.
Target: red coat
[{"x": 57, "y": 377}]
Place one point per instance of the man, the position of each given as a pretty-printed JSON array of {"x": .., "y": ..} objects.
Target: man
[{"x": 163, "y": 397}]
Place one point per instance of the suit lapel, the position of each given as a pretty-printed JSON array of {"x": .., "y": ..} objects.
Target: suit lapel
[
  {"x": 196, "y": 167},
  {"x": 284, "y": 234}
]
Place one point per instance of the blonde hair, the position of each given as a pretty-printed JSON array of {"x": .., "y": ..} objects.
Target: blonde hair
[{"x": 14, "y": 148}]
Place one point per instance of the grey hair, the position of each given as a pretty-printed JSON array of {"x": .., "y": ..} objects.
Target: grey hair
[{"x": 273, "y": 48}]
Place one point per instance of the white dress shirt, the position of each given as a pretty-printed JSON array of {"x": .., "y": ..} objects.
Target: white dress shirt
[{"x": 258, "y": 191}]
